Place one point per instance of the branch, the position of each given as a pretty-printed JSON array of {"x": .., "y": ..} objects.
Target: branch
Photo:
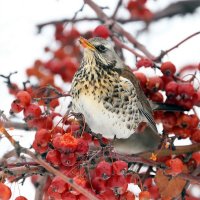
[
  {"x": 122, "y": 45},
  {"x": 16, "y": 125},
  {"x": 17, "y": 171},
  {"x": 178, "y": 8},
  {"x": 163, "y": 53},
  {"x": 178, "y": 151}
]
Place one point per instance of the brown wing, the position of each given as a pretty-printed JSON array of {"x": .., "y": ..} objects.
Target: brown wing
[{"x": 144, "y": 104}]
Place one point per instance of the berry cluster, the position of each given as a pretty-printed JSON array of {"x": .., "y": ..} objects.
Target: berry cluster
[
  {"x": 138, "y": 9},
  {"x": 177, "y": 91},
  {"x": 32, "y": 112},
  {"x": 106, "y": 181}
]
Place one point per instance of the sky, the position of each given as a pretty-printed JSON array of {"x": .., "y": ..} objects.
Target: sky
[{"x": 20, "y": 44}]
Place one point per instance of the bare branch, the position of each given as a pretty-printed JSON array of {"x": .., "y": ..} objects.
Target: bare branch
[
  {"x": 163, "y": 53},
  {"x": 116, "y": 9},
  {"x": 18, "y": 171},
  {"x": 178, "y": 151},
  {"x": 174, "y": 9}
]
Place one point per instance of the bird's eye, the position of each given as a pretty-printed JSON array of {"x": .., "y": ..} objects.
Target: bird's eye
[{"x": 101, "y": 48}]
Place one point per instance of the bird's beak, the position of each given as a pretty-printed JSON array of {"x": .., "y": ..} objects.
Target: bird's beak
[{"x": 86, "y": 44}]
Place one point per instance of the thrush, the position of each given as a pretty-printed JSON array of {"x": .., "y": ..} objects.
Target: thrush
[{"x": 109, "y": 96}]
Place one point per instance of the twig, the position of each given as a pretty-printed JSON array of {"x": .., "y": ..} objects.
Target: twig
[
  {"x": 76, "y": 13},
  {"x": 116, "y": 9},
  {"x": 17, "y": 171},
  {"x": 163, "y": 53},
  {"x": 51, "y": 98},
  {"x": 40, "y": 189},
  {"x": 16, "y": 125}
]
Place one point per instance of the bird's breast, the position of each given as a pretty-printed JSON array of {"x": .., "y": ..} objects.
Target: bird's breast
[{"x": 109, "y": 104}]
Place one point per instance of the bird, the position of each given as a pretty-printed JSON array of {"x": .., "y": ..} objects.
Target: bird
[{"x": 111, "y": 99}]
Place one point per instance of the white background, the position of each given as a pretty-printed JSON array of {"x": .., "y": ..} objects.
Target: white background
[{"x": 20, "y": 44}]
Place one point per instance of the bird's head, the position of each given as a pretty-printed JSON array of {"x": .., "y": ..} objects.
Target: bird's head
[{"x": 100, "y": 52}]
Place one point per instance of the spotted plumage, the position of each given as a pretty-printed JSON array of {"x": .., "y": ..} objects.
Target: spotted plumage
[{"x": 107, "y": 93}]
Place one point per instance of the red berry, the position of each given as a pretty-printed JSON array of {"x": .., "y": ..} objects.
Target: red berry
[
  {"x": 53, "y": 195},
  {"x": 154, "y": 84},
  {"x": 68, "y": 159},
  {"x": 65, "y": 143},
  {"x": 42, "y": 137},
  {"x": 98, "y": 184},
  {"x": 5, "y": 192},
  {"x": 186, "y": 90},
  {"x": 182, "y": 132},
  {"x": 144, "y": 195},
  {"x": 80, "y": 181},
  {"x": 16, "y": 107},
  {"x": 171, "y": 89},
  {"x": 142, "y": 78},
  {"x": 132, "y": 4},
  {"x": 194, "y": 121},
  {"x": 101, "y": 31},
  {"x": 54, "y": 103},
  {"x": 118, "y": 184},
  {"x": 154, "y": 192},
  {"x": 148, "y": 183},
  {"x": 156, "y": 97},
  {"x": 196, "y": 98},
  {"x": 38, "y": 148},
  {"x": 68, "y": 196},
  {"x": 107, "y": 195},
  {"x": 196, "y": 136},
  {"x": 185, "y": 103},
  {"x": 82, "y": 146},
  {"x": 176, "y": 166},
  {"x": 32, "y": 110},
  {"x": 196, "y": 157},
  {"x": 53, "y": 157},
  {"x": 58, "y": 185},
  {"x": 168, "y": 68},
  {"x": 169, "y": 119},
  {"x": 120, "y": 167},
  {"x": 104, "y": 170},
  {"x": 144, "y": 62},
  {"x": 21, "y": 198},
  {"x": 127, "y": 196},
  {"x": 24, "y": 98},
  {"x": 184, "y": 121}
]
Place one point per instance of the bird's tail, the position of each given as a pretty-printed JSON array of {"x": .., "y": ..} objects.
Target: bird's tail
[
  {"x": 166, "y": 107},
  {"x": 138, "y": 142}
]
